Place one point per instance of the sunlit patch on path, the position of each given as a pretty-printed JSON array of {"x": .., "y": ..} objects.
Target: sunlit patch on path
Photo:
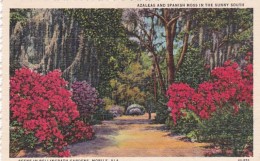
[{"x": 135, "y": 136}]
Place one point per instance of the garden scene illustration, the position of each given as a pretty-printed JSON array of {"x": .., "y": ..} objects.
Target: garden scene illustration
[{"x": 147, "y": 82}]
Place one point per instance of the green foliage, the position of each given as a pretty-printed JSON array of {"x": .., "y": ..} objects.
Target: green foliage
[
  {"x": 131, "y": 85},
  {"x": 100, "y": 115},
  {"x": 224, "y": 129},
  {"x": 20, "y": 140},
  {"x": 146, "y": 61},
  {"x": 187, "y": 125},
  {"x": 236, "y": 24},
  {"x": 125, "y": 94},
  {"x": 162, "y": 112},
  {"x": 18, "y": 15},
  {"x": 14, "y": 66},
  {"x": 103, "y": 25},
  {"x": 150, "y": 103},
  {"x": 222, "y": 17},
  {"x": 108, "y": 102},
  {"x": 229, "y": 130},
  {"x": 193, "y": 70},
  {"x": 114, "y": 50}
]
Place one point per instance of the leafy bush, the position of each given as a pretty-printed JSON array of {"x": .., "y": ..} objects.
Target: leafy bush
[
  {"x": 193, "y": 71},
  {"x": 86, "y": 98},
  {"x": 18, "y": 140},
  {"x": 43, "y": 114},
  {"x": 100, "y": 115},
  {"x": 162, "y": 114},
  {"x": 222, "y": 105},
  {"x": 131, "y": 85},
  {"x": 162, "y": 111},
  {"x": 18, "y": 15},
  {"x": 135, "y": 111},
  {"x": 108, "y": 102},
  {"x": 135, "y": 106},
  {"x": 116, "y": 110},
  {"x": 227, "y": 85},
  {"x": 229, "y": 131},
  {"x": 187, "y": 124}
]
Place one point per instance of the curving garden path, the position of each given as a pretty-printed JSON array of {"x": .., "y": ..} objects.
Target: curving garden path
[{"x": 135, "y": 136}]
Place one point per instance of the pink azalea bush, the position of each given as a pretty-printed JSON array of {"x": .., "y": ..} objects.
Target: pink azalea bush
[
  {"x": 42, "y": 106},
  {"x": 228, "y": 85},
  {"x": 219, "y": 111}
]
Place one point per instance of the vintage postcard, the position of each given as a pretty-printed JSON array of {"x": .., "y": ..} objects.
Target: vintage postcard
[{"x": 116, "y": 80}]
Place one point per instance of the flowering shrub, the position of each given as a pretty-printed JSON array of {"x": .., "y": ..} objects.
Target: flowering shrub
[
  {"x": 218, "y": 111},
  {"x": 140, "y": 111},
  {"x": 116, "y": 110},
  {"x": 42, "y": 106},
  {"x": 180, "y": 96},
  {"x": 86, "y": 98},
  {"x": 228, "y": 85}
]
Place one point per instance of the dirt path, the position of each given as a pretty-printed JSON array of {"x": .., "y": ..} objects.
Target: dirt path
[{"x": 134, "y": 136}]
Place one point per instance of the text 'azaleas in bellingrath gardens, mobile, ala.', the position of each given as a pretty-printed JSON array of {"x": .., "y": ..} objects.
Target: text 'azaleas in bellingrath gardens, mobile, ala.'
[
  {"x": 42, "y": 108},
  {"x": 229, "y": 84}
]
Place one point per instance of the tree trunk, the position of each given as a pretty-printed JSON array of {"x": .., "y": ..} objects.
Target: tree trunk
[
  {"x": 170, "y": 28},
  {"x": 154, "y": 89},
  {"x": 150, "y": 115},
  {"x": 185, "y": 45},
  {"x": 169, "y": 56},
  {"x": 157, "y": 67},
  {"x": 154, "y": 83},
  {"x": 201, "y": 38}
]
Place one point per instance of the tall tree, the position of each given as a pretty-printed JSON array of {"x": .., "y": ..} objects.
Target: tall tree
[
  {"x": 104, "y": 28},
  {"x": 169, "y": 19},
  {"x": 223, "y": 34},
  {"x": 143, "y": 27},
  {"x": 132, "y": 85},
  {"x": 148, "y": 24}
]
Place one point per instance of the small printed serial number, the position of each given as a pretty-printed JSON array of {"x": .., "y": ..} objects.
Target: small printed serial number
[{"x": 243, "y": 160}]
